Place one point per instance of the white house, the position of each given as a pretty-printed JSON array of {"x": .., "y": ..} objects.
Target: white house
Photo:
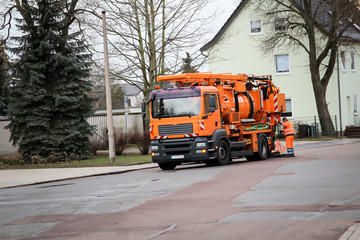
[
  {"x": 236, "y": 49},
  {"x": 133, "y": 94}
]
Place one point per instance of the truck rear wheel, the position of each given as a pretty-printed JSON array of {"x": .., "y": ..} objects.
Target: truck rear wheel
[
  {"x": 223, "y": 153},
  {"x": 167, "y": 166},
  {"x": 263, "y": 149}
]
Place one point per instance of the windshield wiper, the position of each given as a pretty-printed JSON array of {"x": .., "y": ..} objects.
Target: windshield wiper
[
  {"x": 185, "y": 115},
  {"x": 163, "y": 116}
]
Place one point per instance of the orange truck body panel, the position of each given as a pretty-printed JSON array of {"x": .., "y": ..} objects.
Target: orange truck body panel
[{"x": 188, "y": 124}]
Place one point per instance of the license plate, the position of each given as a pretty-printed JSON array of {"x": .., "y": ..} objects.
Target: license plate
[{"x": 177, "y": 157}]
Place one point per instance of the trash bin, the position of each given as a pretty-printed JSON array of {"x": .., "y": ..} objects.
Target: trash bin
[
  {"x": 313, "y": 131},
  {"x": 303, "y": 131}
]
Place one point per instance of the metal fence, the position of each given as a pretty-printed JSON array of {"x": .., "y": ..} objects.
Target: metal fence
[
  {"x": 122, "y": 123},
  {"x": 310, "y": 126}
]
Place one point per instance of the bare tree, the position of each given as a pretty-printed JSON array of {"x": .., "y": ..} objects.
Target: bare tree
[
  {"x": 148, "y": 38},
  {"x": 319, "y": 27}
]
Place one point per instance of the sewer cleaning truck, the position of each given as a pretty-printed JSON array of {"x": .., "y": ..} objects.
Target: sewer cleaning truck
[{"x": 213, "y": 118}]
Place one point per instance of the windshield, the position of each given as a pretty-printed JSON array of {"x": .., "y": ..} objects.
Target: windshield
[{"x": 176, "y": 103}]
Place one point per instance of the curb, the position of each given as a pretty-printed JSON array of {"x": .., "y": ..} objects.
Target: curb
[{"x": 352, "y": 233}]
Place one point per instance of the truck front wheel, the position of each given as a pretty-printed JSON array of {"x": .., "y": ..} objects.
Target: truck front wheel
[
  {"x": 167, "y": 166},
  {"x": 223, "y": 153}
]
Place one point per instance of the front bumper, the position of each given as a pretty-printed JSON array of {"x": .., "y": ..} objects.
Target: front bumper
[{"x": 180, "y": 150}]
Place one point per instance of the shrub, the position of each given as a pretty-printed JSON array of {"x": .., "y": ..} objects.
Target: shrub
[
  {"x": 142, "y": 140},
  {"x": 11, "y": 160},
  {"x": 119, "y": 138},
  {"x": 120, "y": 141},
  {"x": 96, "y": 144}
]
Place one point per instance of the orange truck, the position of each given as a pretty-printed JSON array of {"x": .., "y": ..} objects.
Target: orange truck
[{"x": 213, "y": 118}]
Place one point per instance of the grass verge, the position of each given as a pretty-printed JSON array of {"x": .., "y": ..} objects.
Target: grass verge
[{"x": 6, "y": 162}]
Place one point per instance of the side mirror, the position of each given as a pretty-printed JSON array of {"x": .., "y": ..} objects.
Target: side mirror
[
  {"x": 212, "y": 103},
  {"x": 143, "y": 106}
]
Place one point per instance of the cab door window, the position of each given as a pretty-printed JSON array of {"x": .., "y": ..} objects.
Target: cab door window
[{"x": 207, "y": 102}]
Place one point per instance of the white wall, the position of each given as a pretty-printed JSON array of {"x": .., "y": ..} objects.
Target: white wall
[
  {"x": 6, "y": 147},
  {"x": 350, "y": 87}
]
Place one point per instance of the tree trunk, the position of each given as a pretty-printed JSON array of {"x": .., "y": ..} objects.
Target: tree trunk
[{"x": 327, "y": 126}]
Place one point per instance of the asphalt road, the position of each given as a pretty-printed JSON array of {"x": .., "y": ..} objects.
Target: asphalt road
[{"x": 315, "y": 195}]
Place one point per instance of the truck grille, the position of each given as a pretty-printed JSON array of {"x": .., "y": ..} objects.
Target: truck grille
[{"x": 165, "y": 130}]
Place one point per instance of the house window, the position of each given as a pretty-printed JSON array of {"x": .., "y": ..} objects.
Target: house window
[
  {"x": 288, "y": 105},
  {"x": 355, "y": 105},
  {"x": 280, "y": 24},
  {"x": 342, "y": 56},
  {"x": 282, "y": 63},
  {"x": 352, "y": 54},
  {"x": 255, "y": 27}
]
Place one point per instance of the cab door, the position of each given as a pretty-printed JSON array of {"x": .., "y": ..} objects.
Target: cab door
[{"x": 211, "y": 120}]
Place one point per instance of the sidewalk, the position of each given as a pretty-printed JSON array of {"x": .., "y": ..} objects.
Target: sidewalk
[
  {"x": 313, "y": 144},
  {"x": 353, "y": 233},
  {"x": 22, "y": 177}
]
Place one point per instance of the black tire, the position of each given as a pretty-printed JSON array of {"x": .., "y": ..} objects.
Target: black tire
[
  {"x": 167, "y": 166},
  {"x": 223, "y": 153},
  {"x": 263, "y": 150}
]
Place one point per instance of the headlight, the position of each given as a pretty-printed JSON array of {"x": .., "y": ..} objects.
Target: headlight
[
  {"x": 201, "y": 144},
  {"x": 154, "y": 148},
  {"x": 201, "y": 151}
]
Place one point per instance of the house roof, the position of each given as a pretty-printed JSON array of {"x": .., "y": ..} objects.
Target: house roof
[
  {"x": 131, "y": 90},
  {"x": 224, "y": 27},
  {"x": 323, "y": 18}
]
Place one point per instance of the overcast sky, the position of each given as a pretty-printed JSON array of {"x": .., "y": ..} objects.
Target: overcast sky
[{"x": 224, "y": 9}]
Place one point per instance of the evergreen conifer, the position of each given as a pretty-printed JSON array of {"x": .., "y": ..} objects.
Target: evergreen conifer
[
  {"x": 49, "y": 100},
  {"x": 187, "y": 66}
]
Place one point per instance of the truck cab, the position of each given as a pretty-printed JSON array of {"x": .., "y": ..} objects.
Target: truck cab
[{"x": 183, "y": 121}]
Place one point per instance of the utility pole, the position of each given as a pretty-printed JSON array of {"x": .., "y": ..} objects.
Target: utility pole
[
  {"x": 110, "y": 125},
  {"x": 126, "y": 104}
]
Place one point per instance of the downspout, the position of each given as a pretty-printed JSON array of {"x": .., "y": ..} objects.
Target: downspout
[{"x": 339, "y": 92}]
